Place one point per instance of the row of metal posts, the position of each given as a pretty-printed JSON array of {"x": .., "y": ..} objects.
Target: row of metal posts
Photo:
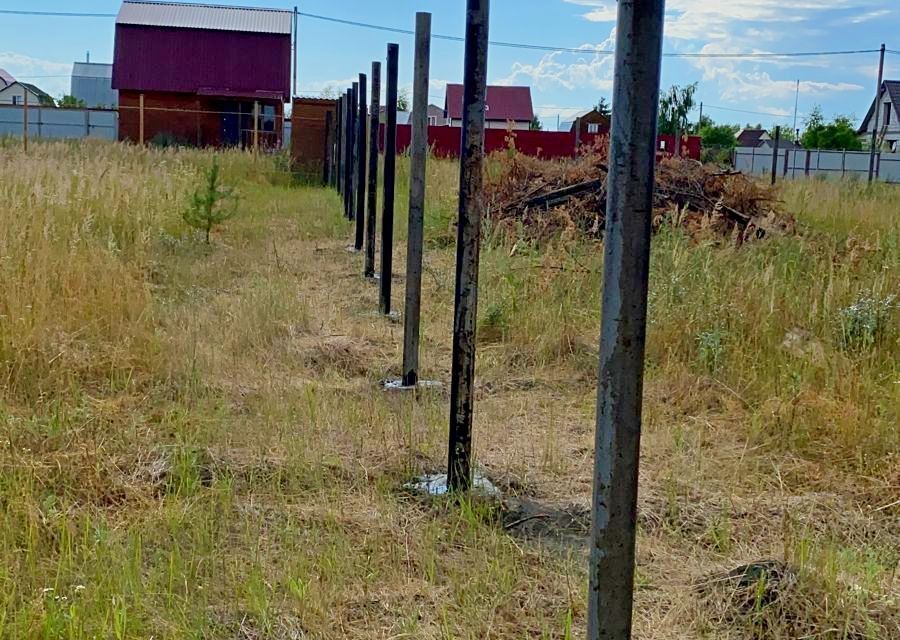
[{"x": 625, "y": 276}]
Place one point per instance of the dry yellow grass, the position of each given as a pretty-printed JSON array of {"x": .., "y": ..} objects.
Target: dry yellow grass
[{"x": 194, "y": 445}]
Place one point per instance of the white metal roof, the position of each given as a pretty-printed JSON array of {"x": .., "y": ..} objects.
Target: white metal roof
[
  {"x": 205, "y": 16},
  {"x": 92, "y": 70}
]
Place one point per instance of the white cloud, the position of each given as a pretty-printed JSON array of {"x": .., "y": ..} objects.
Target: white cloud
[
  {"x": 594, "y": 70},
  {"x": 53, "y": 77},
  {"x": 870, "y": 15}
]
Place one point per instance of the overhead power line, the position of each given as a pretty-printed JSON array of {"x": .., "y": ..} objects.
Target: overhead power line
[
  {"x": 511, "y": 45},
  {"x": 56, "y": 14}
]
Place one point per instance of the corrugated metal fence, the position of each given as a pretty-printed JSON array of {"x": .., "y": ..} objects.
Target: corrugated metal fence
[
  {"x": 53, "y": 123},
  {"x": 803, "y": 163},
  {"x": 48, "y": 122}
]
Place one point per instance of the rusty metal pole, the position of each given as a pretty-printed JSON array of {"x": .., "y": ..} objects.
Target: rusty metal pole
[
  {"x": 775, "y": 148},
  {"x": 468, "y": 245},
  {"x": 875, "y": 115},
  {"x": 371, "y": 214},
  {"x": 416, "y": 231},
  {"x": 388, "y": 184},
  {"x": 624, "y": 318},
  {"x": 361, "y": 161}
]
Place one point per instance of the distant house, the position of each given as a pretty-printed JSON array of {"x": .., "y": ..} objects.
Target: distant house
[
  {"x": 202, "y": 69},
  {"x": 14, "y": 93},
  {"x": 761, "y": 139},
  {"x": 505, "y": 107},
  {"x": 436, "y": 117},
  {"x": 6, "y": 78},
  {"x": 888, "y": 105},
  {"x": 588, "y": 123},
  {"x": 92, "y": 83}
]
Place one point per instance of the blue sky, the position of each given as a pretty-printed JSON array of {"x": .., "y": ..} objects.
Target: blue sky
[{"x": 41, "y": 49}]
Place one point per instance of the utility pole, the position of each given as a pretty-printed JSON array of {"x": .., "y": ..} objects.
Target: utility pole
[
  {"x": 296, "y": 44},
  {"x": 416, "y": 230},
  {"x": 796, "y": 104},
  {"x": 700, "y": 119},
  {"x": 877, "y": 109},
  {"x": 624, "y": 318},
  {"x": 468, "y": 246}
]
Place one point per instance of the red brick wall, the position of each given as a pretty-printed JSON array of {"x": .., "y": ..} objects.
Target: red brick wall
[
  {"x": 308, "y": 134},
  {"x": 191, "y": 118}
]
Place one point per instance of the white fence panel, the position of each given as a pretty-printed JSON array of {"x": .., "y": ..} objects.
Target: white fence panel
[
  {"x": 51, "y": 123},
  {"x": 799, "y": 163}
]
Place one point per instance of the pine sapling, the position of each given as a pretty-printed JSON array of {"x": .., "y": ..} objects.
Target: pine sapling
[{"x": 211, "y": 205}]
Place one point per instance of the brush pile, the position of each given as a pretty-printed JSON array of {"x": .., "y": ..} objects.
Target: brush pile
[{"x": 538, "y": 198}]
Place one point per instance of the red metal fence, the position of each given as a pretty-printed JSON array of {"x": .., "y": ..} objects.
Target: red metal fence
[{"x": 445, "y": 142}]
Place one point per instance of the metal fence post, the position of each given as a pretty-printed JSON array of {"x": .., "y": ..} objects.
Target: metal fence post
[
  {"x": 361, "y": 163},
  {"x": 336, "y": 146},
  {"x": 468, "y": 246},
  {"x": 348, "y": 153},
  {"x": 390, "y": 163},
  {"x": 624, "y": 318},
  {"x": 415, "y": 234},
  {"x": 87, "y": 123},
  {"x": 843, "y": 163},
  {"x": 339, "y": 146},
  {"x": 775, "y": 154},
  {"x": 371, "y": 213},
  {"x": 141, "y": 119},
  {"x": 752, "y": 160},
  {"x": 326, "y": 153}
]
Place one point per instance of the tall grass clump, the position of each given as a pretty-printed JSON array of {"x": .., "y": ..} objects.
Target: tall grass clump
[{"x": 79, "y": 230}]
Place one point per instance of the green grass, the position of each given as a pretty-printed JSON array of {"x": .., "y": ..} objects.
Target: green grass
[{"x": 193, "y": 444}]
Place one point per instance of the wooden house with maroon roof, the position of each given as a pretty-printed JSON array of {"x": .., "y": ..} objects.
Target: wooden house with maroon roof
[{"x": 202, "y": 69}]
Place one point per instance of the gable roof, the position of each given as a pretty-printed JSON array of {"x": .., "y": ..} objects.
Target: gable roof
[
  {"x": 92, "y": 70},
  {"x": 42, "y": 96},
  {"x": 150, "y": 13},
  {"x": 751, "y": 137},
  {"x": 5, "y": 78},
  {"x": 503, "y": 103},
  {"x": 892, "y": 87}
]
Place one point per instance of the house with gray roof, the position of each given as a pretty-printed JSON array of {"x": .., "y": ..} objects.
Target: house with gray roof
[
  {"x": 888, "y": 109},
  {"x": 92, "y": 84}
]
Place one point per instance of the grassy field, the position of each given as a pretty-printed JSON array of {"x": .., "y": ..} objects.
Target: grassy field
[{"x": 193, "y": 443}]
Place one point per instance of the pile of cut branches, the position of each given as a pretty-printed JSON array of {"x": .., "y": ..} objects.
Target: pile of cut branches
[{"x": 544, "y": 198}]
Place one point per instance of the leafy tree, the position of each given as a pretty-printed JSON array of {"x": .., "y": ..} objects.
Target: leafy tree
[
  {"x": 403, "y": 100},
  {"x": 603, "y": 107},
  {"x": 718, "y": 135},
  {"x": 212, "y": 204},
  {"x": 536, "y": 124},
  {"x": 675, "y": 105},
  {"x": 837, "y": 134},
  {"x": 70, "y": 102}
]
